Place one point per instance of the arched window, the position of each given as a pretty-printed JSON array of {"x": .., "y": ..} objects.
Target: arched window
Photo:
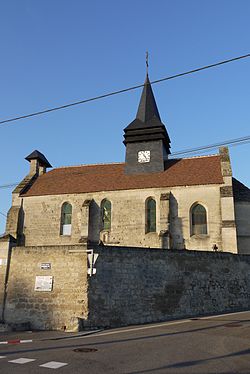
[
  {"x": 150, "y": 215},
  {"x": 66, "y": 217},
  {"x": 106, "y": 214},
  {"x": 198, "y": 220}
]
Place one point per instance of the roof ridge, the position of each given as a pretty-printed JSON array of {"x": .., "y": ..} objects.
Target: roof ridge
[
  {"x": 120, "y": 163},
  {"x": 111, "y": 177},
  {"x": 77, "y": 166},
  {"x": 203, "y": 156}
]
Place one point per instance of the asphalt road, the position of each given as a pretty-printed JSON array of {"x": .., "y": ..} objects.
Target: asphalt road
[{"x": 211, "y": 345}]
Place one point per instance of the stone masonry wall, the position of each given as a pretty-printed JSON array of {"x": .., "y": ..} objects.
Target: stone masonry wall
[
  {"x": 135, "y": 285},
  {"x": 3, "y": 265},
  {"x": 131, "y": 286},
  {"x": 42, "y": 216},
  {"x": 66, "y": 305}
]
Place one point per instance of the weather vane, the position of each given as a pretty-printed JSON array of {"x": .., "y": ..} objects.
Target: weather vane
[{"x": 147, "y": 62}]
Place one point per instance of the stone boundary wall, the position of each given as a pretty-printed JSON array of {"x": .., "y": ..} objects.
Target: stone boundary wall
[
  {"x": 135, "y": 285},
  {"x": 65, "y": 305},
  {"x": 131, "y": 286}
]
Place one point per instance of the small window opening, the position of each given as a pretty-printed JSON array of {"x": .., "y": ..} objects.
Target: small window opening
[
  {"x": 198, "y": 220},
  {"x": 150, "y": 215},
  {"x": 106, "y": 214},
  {"x": 66, "y": 218}
]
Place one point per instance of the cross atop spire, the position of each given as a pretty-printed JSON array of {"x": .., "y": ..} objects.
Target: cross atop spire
[{"x": 147, "y": 62}]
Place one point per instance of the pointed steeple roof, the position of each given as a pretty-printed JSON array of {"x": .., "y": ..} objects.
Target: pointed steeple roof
[
  {"x": 147, "y": 124},
  {"x": 147, "y": 108}
]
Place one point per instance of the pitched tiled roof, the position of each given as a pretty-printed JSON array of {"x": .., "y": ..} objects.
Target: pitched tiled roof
[{"x": 111, "y": 177}]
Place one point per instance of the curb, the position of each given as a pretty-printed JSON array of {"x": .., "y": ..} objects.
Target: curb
[
  {"x": 21, "y": 341},
  {"x": 74, "y": 336},
  {"x": 17, "y": 341}
]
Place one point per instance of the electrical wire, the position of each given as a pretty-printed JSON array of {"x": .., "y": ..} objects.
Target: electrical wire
[
  {"x": 122, "y": 91},
  {"x": 238, "y": 141},
  {"x": 8, "y": 185}
]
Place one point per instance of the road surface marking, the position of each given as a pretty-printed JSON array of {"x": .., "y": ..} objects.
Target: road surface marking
[
  {"x": 26, "y": 341},
  {"x": 53, "y": 365},
  {"x": 22, "y": 360},
  {"x": 16, "y": 341},
  {"x": 2, "y": 356}
]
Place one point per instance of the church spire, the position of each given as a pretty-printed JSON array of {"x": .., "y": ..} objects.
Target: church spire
[
  {"x": 147, "y": 107},
  {"x": 147, "y": 125},
  {"x": 146, "y": 137}
]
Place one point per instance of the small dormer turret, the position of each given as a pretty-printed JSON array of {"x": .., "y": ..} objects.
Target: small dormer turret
[{"x": 38, "y": 163}]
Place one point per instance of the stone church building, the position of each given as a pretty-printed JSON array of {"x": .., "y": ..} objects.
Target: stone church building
[
  {"x": 148, "y": 201},
  {"x": 146, "y": 240}
]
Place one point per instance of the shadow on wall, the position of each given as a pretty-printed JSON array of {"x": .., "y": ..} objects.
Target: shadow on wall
[
  {"x": 38, "y": 310},
  {"x": 94, "y": 222},
  {"x": 20, "y": 227},
  {"x": 176, "y": 225},
  {"x": 19, "y": 309}
]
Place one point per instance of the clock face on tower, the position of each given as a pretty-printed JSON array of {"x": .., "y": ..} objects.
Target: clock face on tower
[{"x": 143, "y": 156}]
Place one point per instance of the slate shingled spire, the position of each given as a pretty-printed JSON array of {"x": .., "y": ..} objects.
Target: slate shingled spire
[
  {"x": 147, "y": 124},
  {"x": 146, "y": 138},
  {"x": 147, "y": 108}
]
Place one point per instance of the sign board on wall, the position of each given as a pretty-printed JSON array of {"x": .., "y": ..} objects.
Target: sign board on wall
[
  {"x": 3, "y": 261},
  {"x": 45, "y": 266},
  {"x": 43, "y": 283}
]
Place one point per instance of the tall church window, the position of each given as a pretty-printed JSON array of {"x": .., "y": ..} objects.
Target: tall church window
[
  {"x": 106, "y": 214},
  {"x": 66, "y": 218},
  {"x": 198, "y": 220},
  {"x": 150, "y": 215}
]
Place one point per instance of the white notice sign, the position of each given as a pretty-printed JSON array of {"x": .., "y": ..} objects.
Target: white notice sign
[
  {"x": 45, "y": 266},
  {"x": 43, "y": 283}
]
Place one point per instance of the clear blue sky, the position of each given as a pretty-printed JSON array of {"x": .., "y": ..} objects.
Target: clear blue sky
[{"x": 59, "y": 51}]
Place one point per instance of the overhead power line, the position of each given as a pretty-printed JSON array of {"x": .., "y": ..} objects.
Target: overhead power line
[
  {"x": 38, "y": 113},
  {"x": 2, "y": 214},
  {"x": 232, "y": 142},
  {"x": 238, "y": 141},
  {"x": 10, "y": 185}
]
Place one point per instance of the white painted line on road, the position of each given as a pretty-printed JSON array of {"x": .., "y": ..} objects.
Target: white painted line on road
[
  {"x": 16, "y": 341},
  {"x": 22, "y": 360},
  {"x": 26, "y": 341},
  {"x": 2, "y": 356},
  {"x": 53, "y": 365}
]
